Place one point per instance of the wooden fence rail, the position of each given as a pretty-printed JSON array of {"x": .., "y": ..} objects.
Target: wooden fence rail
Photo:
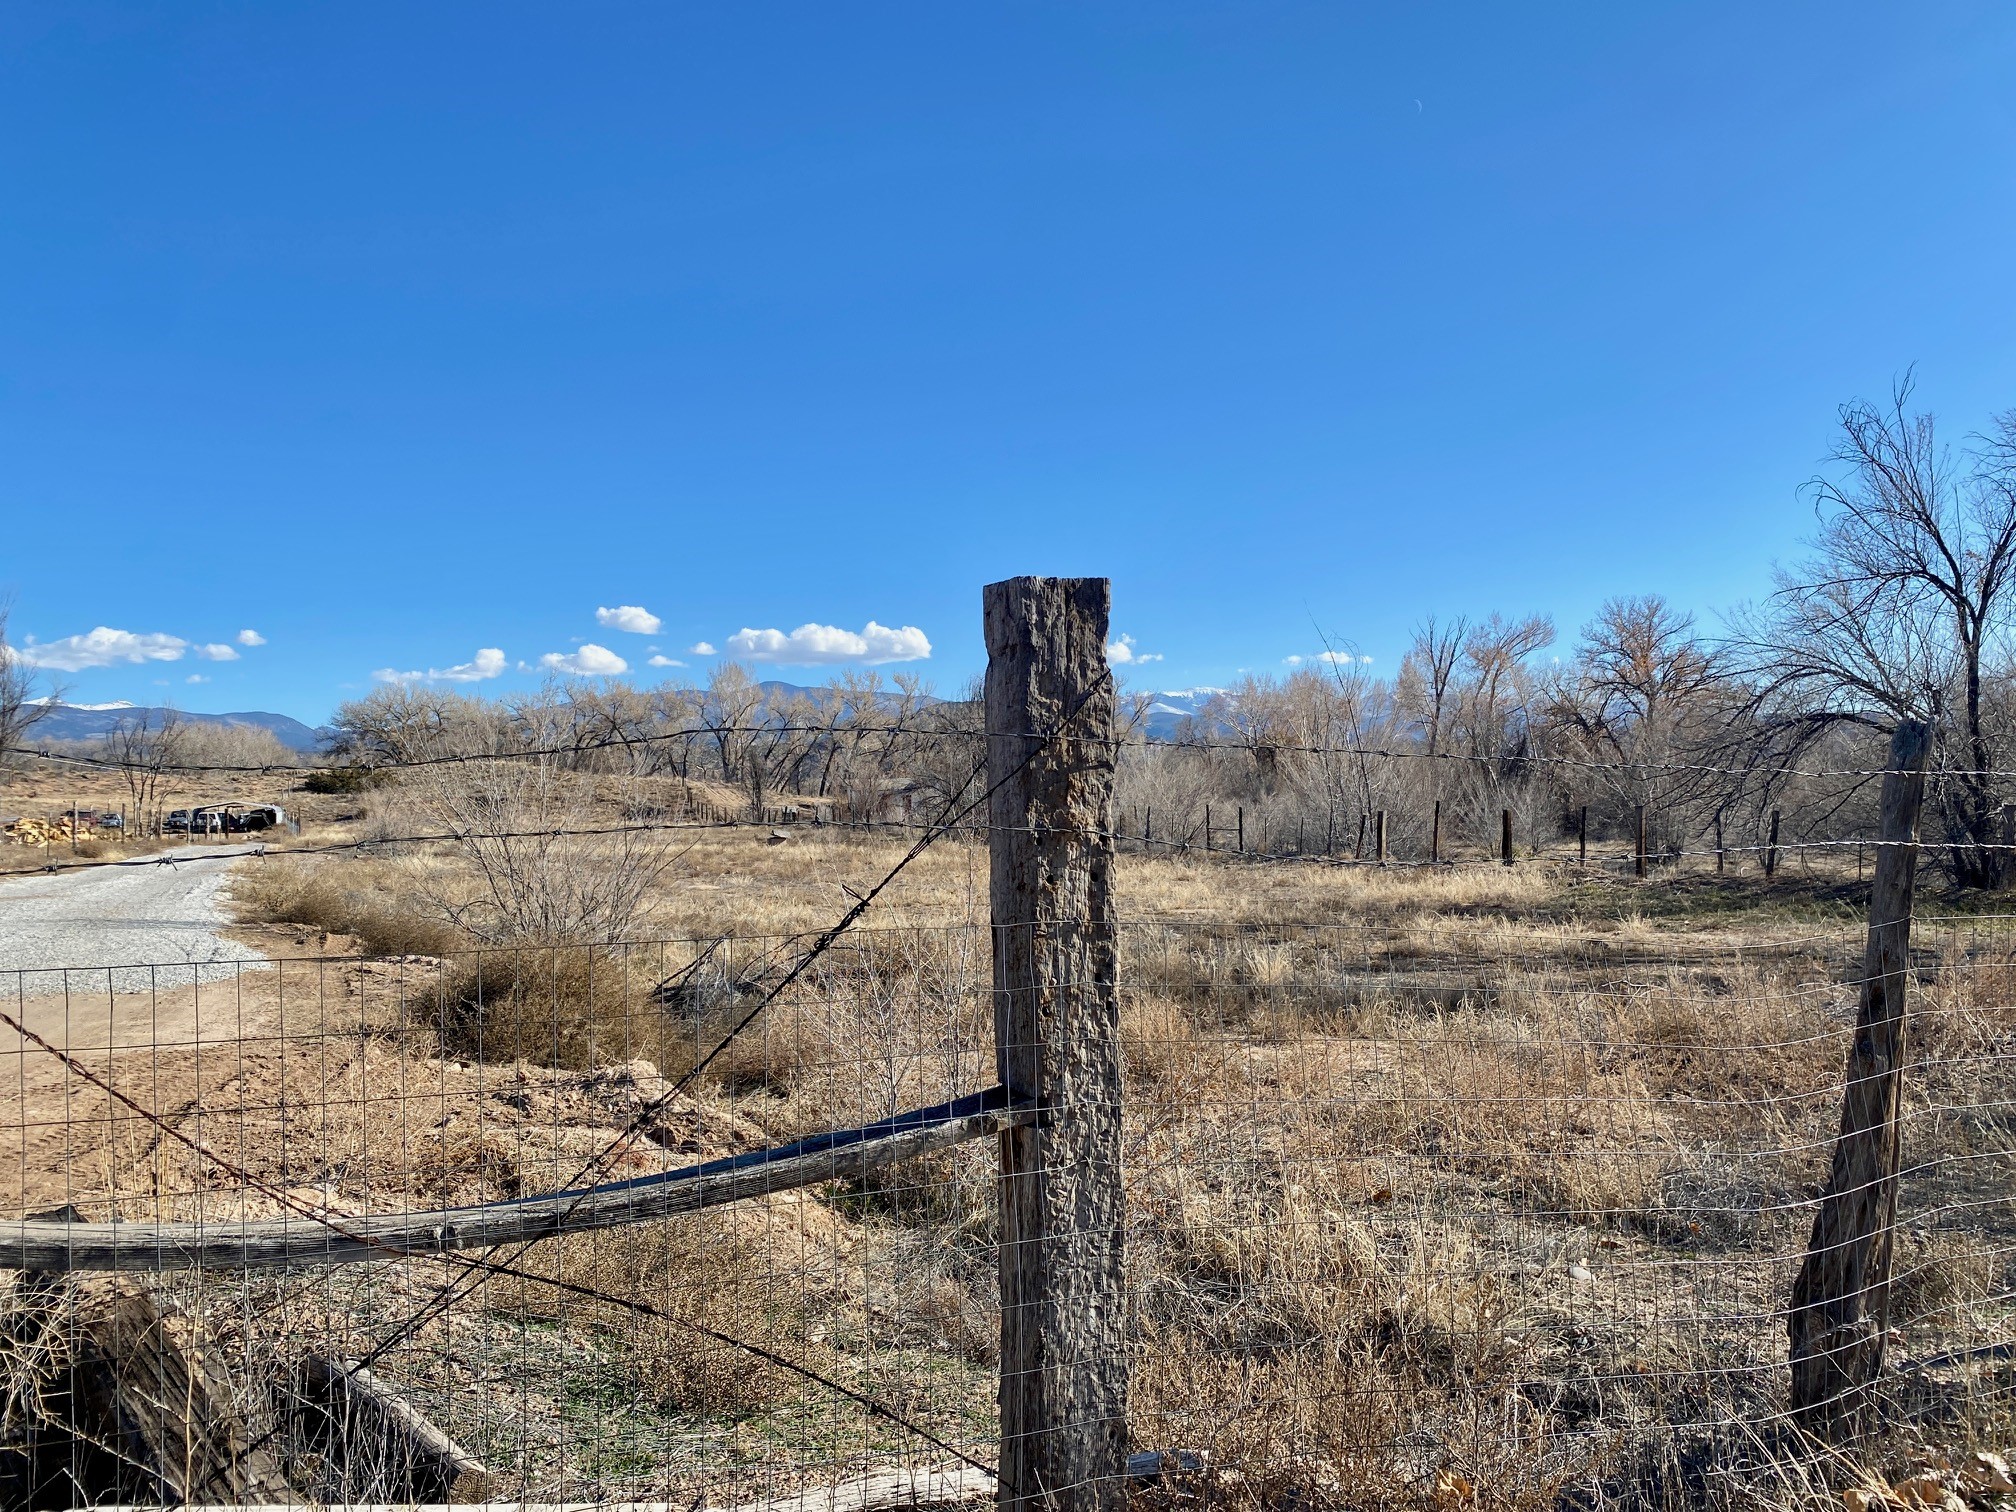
[{"x": 344, "y": 1240}]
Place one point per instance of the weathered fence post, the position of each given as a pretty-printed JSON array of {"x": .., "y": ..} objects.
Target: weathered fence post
[
  {"x": 1638, "y": 859},
  {"x": 1771, "y": 845},
  {"x": 1057, "y": 1040},
  {"x": 1582, "y": 836},
  {"x": 1505, "y": 836},
  {"x": 1840, "y": 1303},
  {"x": 1207, "y": 826},
  {"x": 1435, "y": 835},
  {"x": 1379, "y": 835}
]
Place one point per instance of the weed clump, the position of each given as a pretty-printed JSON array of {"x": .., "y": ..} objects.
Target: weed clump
[
  {"x": 572, "y": 1006},
  {"x": 381, "y": 921}
]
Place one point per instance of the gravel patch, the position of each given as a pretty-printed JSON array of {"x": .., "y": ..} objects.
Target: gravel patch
[{"x": 121, "y": 928}]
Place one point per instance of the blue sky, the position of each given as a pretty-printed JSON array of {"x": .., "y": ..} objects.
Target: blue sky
[{"x": 397, "y": 334}]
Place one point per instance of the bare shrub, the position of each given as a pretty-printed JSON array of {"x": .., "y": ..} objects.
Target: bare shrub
[{"x": 550, "y": 869}]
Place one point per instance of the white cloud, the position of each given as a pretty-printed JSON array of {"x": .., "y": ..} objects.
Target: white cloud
[
  {"x": 810, "y": 645},
  {"x": 663, "y": 661},
  {"x": 630, "y": 617},
  {"x": 102, "y": 647},
  {"x": 590, "y": 661},
  {"x": 700, "y": 648},
  {"x": 486, "y": 663},
  {"x": 195, "y": 677},
  {"x": 216, "y": 651},
  {"x": 251, "y": 638},
  {"x": 1291, "y": 661},
  {"x": 1121, "y": 653}
]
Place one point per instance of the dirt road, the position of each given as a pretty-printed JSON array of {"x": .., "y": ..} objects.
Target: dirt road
[{"x": 120, "y": 928}]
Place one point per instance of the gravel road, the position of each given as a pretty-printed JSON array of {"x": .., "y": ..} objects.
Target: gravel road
[{"x": 160, "y": 925}]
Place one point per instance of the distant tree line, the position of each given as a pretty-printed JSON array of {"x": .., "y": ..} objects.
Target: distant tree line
[{"x": 1900, "y": 610}]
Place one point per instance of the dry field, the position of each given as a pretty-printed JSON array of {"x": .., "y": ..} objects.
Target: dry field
[{"x": 1465, "y": 1186}]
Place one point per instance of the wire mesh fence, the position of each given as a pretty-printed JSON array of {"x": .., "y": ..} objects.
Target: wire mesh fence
[{"x": 1415, "y": 1211}]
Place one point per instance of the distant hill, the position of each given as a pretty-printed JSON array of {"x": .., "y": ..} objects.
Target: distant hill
[{"x": 89, "y": 721}]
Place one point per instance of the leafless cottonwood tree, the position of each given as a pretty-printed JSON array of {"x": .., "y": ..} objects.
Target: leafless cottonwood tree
[
  {"x": 146, "y": 747},
  {"x": 1901, "y": 612},
  {"x": 1641, "y": 701}
]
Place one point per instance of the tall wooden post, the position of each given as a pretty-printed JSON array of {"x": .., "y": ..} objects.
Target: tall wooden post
[
  {"x": 1841, "y": 1301},
  {"x": 1207, "y": 826},
  {"x": 1435, "y": 834},
  {"x": 1239, "y": 832},
  {"x": 1057, "y": 1041},
  {"x": 1721, "y": 852},
  {"x": 1505, "y": 836},
  {"x": 1379, "y": 835},
  {"x": 1638, "y": 858},
  {"x": 1582, "y": 836},
  {"x": 1771, "y": 846}
]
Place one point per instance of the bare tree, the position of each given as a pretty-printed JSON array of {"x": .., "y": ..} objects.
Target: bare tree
[
  {"x": 1642, "y": 699},
  {"x": 145, "y": 751},
  {"x": 1900, "y": 612},
  {"x": 1427, "y": 674},
  {"x": 21, "y": 708}
]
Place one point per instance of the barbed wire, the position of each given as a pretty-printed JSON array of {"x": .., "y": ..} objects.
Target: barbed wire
[
  {"x": 485, "y": 1265},
  {"x": 953, "y": 811},
  {"x": 1146, "y": 843},
  {"x": 1137, "y": 740}
]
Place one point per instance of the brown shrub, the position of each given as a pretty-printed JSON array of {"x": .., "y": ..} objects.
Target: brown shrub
[
  {"x": 357, "y": 901},
  {"x": 570, "y": 1005}
]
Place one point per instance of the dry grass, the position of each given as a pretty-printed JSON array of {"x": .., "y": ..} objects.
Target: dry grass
[
  {"x": 1491, "y": 1174},
  {"x": 370, "y": 902}
]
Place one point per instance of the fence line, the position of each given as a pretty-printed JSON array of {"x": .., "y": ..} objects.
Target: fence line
[
  {"x": 1462, "y": 1213},
  {"x": 939, "y": 732}
]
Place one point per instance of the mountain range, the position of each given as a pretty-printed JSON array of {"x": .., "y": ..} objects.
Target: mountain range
[
  {"x": 1166, "y": 712},
  {"x": 89, "y": 721}
]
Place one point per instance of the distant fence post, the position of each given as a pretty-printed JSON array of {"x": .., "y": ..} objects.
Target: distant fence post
[
  {"x": 1582, "y": 835},
  {"x": 1379, "y": 835},
  {"x": 1638, "y": 859},
  {"x": 1057, "y": 1040},
  {"x": 1505, "y": 836},
  {"x": 1771, "y": 845},
  {"x": 1435, "y": 835},
  {"x": 1840, "y": 1303}
]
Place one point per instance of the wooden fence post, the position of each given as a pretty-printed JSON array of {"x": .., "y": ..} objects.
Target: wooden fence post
[
  {"x": 1207, "y": 826},
  {"x": 1239, "y": 828},
  {"x": 1057, "y": 1040},
  {"x": 1771, "y": 846},
  {"x": 1638, "y": 860},
  {"x": 1435, "y": 835},
  {"x": 1582, "y": 836},
  {"x": 1505, "y": 836},
  {"x": 1379, "y": 835},
  {"x": 1841, "y": 1303}
]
